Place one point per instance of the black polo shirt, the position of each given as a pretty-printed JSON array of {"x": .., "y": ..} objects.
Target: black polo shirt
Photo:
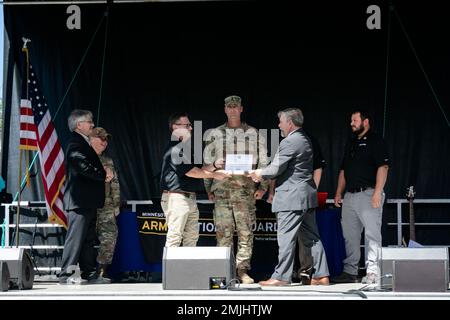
[
  {"x": 318, "y": 160},
  {"x": 362, "y": 158},
  {"x": 175, "y": 165}
]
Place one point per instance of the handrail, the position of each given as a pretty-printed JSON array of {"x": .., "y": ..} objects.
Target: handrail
[
  {"x": 134, "y": 203},
  {"x": 400, "y": 223},
  {"x": 399, "y": 203}
]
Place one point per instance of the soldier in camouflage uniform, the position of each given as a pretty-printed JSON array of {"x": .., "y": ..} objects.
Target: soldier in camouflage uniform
[
  {"x": 106, "y": 216},
  {"x": 234, "y": 198}
]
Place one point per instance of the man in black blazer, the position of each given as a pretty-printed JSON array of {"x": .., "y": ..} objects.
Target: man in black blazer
[
  {"x": 295, "y": 199},
  {"x": 84, "y": 193}
]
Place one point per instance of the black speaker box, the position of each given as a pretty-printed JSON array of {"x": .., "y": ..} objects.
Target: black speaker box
[{"x": 21, "y": 271}]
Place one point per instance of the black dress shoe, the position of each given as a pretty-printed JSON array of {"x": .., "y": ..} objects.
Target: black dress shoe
[
  {"x": 345, "y": 277},
  {"x": 306, "y": 276},
  {"x": 306, "y": 280},
  {"x": 99, "y": 280}
]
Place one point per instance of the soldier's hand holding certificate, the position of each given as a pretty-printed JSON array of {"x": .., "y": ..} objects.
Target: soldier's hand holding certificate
[{"x": 255, "y": 175}]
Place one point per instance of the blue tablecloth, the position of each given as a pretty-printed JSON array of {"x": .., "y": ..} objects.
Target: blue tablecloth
[
  {"x": 330, "y": 230},
  {"x": 128, "y": 255}
]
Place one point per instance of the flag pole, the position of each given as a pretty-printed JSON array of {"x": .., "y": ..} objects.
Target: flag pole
[
  {"x": 21, "y": 150},
  {"x": 19, "y": 199}
]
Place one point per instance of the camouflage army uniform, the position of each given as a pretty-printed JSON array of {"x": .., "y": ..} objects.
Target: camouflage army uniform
[
  {"x": 234, "y": 197},
  {"x": 106, "y": 216}
]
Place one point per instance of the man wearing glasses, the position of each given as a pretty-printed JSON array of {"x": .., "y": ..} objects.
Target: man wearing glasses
[
  {"x": 84, "y": 193},
  {"x": 179, "y": 182},
  {"x": 363, "y": 174},
  {"x": 234, "y": 198}
]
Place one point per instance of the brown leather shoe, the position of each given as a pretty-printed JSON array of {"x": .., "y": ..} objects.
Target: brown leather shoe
[
  {"x": 322, "y": 281},
  {"x": 274, "y": 283}
]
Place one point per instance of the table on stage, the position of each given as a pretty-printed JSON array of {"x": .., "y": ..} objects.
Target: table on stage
[{"x": 129, "y": 255}]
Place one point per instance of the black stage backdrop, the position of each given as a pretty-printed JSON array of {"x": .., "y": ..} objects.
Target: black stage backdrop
[{"x": 163, "y": 57}]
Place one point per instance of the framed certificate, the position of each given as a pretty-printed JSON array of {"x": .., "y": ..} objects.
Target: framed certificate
[{"x": 238, "y": 163}]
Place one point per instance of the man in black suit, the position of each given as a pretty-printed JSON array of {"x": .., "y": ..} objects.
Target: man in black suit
[
  {"x": 84, "y": 193},
  {"x": 295, "y": 199}
]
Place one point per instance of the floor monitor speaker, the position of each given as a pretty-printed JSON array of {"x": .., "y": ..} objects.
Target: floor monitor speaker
[
  {"x": 4, "y": 276},
  {"x": 20, "y": 267},
  {"x": 198, "y": 267},
  {"x": 414, "y": 269}
]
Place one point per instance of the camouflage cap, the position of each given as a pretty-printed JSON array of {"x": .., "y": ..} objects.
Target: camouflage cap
[
  {"x": 99, "y": 132},
  {"x": 232, "y": 100}
]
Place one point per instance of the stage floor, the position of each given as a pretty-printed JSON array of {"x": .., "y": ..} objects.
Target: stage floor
[{"x": 154, "y": 291}]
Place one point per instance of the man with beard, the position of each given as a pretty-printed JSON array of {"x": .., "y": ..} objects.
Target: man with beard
[{"x": 363, "y": 173}]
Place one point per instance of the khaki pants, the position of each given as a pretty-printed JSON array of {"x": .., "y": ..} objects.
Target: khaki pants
[{"x": 182, "y": 215}]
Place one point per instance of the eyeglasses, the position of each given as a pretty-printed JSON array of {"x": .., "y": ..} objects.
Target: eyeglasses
[
  {"x": 88, "y": 121},
  {"x": 186, "y": 125}
]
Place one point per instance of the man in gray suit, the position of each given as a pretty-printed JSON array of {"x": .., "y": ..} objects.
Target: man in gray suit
[{"x": 295, "y": 199}]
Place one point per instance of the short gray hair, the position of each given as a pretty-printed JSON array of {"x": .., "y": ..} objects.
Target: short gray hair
[
  {"x": 293, "y": 114},
  {"x": 76, "y": 116}
]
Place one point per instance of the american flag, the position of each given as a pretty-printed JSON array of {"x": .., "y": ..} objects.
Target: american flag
[
  {"x": 37, "y": 129},
  {"x": 28, "y": 137}
]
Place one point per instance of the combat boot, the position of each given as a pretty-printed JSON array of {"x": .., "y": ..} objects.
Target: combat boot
[
  {"x": 244, "y": 277},
  {"x": 102, "y": 271}
]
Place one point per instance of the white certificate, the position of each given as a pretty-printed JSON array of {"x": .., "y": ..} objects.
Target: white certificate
[{"x": 238, "y": 163}]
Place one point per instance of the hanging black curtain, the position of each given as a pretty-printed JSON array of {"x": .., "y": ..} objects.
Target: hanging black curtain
[{"x": 163, "y": 57}]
